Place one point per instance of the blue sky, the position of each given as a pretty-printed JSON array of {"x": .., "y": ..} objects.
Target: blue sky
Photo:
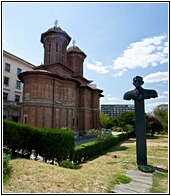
[{"x": 121, "y": 40}]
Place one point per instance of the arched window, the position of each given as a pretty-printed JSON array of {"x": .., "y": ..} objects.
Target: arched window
[
  {"x": 56, "y": 52},
  {"x": 49, "y": 52},
  {"x": 63, "y": 51}
]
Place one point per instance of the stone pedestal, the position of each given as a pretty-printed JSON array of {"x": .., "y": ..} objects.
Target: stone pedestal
[{"x": 140, "y": 127}]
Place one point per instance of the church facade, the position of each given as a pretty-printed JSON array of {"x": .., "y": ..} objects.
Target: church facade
[{"x": 56, "y": 94}]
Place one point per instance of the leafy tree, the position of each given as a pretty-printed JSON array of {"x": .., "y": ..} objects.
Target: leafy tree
[
  {"x": 126, "y": 118},
  {"x": 105, "y": 121},
  {"x": 162, "y": 116},
  {"x": 127, "y": 121},
  {"x": 155, "y": 124}
]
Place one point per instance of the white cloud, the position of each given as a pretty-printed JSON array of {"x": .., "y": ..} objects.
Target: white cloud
[
  {"x": 162, "y": 97},
  {"x": 148, "y": 52},
  {"x": 120, "y": 73},
  {"x": 151, "y": 106},
  {"x": 166, "y": 92},
  {"x": 98, "y": 67},
  {"x": 156, "y": 77},
  {"x": 112, "y": 98}
]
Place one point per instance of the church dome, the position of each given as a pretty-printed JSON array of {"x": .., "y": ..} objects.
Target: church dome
[
  {"x": 55, "y": 30},
  {"x": 75, "y": 49}
]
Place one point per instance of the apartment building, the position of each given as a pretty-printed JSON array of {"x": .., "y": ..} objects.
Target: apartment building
[
  {"x": 12, "y": 86},
  {"x": 163, "y": 107},
  {"x": 114, "y": 110}
]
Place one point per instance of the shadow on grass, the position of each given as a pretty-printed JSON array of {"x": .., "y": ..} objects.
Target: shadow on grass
[
  {"x": 90, "y": 159},
  {"x": 152, "y": 137},
  {"x": 120, "y": 148},
  {"x": 161, "y": 169}
]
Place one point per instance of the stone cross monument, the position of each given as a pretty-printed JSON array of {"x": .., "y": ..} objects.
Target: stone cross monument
[{"x": 138, "y": 95}]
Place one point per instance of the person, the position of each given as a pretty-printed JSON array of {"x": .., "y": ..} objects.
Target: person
[{"x": 139, "y": 93}]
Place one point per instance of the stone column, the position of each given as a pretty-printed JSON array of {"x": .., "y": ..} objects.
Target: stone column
[{"x": 140, "y": 127}]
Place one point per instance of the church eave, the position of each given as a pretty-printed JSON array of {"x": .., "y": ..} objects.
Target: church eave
[
  {"x": 42, "y": 72},
  {"x": 45, "y": 66}
]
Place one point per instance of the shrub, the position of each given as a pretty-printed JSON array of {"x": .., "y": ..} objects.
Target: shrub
[
  {"x": 110, "y": 142},
  {"x": 7, "y": 168},
  {"x": 92, "y": 149},
  {"x": 79, "y": 154},
  {"x": 67, "y": 164},
  {"x": 49, "y": 143}
]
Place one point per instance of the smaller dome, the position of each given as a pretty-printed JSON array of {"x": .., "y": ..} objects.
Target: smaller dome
[
  {"x": 57, "y": 29},
  {"x": 74, "y": 49}
]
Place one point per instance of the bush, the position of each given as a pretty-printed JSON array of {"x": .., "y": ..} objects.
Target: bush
[
  {"x": 67, "y": 164},
  {"x": 49, "y": 143},
  {"x": 110, "y": 142},
  {"x": 7, "y": 168},
  {"x": 79, "y": 154},
  {"x": 92, "y": 149}
]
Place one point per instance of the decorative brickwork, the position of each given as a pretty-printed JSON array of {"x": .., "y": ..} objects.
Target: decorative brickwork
[{"x": 56, "y": 94}]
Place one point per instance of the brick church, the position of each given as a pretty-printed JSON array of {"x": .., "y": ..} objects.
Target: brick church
[{"x": 56, "y": 94}]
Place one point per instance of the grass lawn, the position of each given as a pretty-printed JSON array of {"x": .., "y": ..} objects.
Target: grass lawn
[{"x": 98, "y": 175}]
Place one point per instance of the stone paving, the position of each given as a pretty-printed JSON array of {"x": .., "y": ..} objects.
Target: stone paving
[{"x": 141, "y": 183}]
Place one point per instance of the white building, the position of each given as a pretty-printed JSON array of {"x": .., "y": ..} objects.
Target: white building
[
  {"x": 114, "y": 110},
  {"x": 12, "y": 87},
  {"x": 163, "y": 107}
]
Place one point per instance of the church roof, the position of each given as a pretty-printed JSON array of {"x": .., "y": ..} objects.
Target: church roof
[
  {"x": 54, "y": 29},
  {"x": 75, "y": 49},
  {"x": 48, "y": 73}
]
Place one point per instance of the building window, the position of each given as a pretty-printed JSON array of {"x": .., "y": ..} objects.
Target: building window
[
  {"x": 75, "y": 63},
  {"x": 49, "y": 52},
  {"x": 56, "y": 52},
  {"x": 62, "y": 58},
  {"x": 25, "y": 118},
  {"x": 63, "y": 51},
  {"x": 18, "y": 71},
  {"x": 7, "y": 67},
  {"x": 5, "y": 96},
  {"x": 56, "y": 57},
  {"x": 49, "y": 58},
  {"x": 6, "y": 80},
  {"x": 77, "y": 122},
  {"x": 56, "y": 47},
  {"x": 26, "y": 96},
  {"x": 49, "y": 47},
  {"x": 17, "y": 98},
  {"x": 18, "y": 84},
  {"x": 73, "y": 122}
]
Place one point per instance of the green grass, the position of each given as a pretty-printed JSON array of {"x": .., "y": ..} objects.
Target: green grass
[
  {"x": 96, "y": 175},
  {"x": 159, "y": 182}
]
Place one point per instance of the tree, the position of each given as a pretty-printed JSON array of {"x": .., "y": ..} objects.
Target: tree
[
  {"x": 126, "y": 118},
  {"x": 155, "y": 124},
  {"x": 127, "y": 121},
  {"x": 105, "y": 121},
  {"x": 162, "y": 116}
]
